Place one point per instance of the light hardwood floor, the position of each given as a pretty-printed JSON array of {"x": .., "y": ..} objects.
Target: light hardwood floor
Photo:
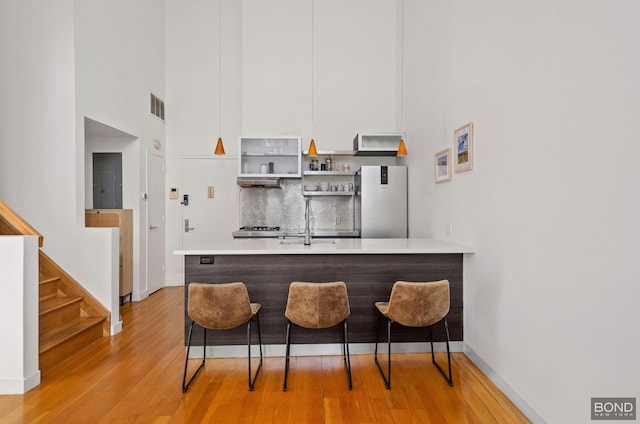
[{"x": 136, "y": 376}]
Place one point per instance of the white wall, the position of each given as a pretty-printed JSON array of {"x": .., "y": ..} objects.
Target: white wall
[
  {"x": 354, "y": 70},
  {"x": 19, "y": 371},
  {"x": 119, "y": 62},
  {"x": 37, "y": 113},
  {"x": 276, "y": 67},
  {"x": 552, "y": 89},
  {"x": 324, "y": 70}
]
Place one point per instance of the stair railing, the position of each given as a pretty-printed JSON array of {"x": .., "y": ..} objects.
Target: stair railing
[{"x": 12, "y": 224}]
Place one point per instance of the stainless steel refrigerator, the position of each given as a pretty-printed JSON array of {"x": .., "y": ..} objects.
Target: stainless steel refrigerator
[{"x": 382, "y": 201}]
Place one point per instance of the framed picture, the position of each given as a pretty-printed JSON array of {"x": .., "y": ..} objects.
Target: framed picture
[
  {"x": 443, "y": 165},
  {"x": 463, "y": 144}
]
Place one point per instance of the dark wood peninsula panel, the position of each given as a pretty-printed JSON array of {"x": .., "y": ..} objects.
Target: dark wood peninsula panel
[{"x": 369, "y": 278}]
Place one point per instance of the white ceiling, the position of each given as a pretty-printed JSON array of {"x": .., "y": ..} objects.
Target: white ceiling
[{"x": 97, "y": 129}]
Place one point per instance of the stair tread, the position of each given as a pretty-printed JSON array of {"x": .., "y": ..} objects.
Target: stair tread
[
  {"x": 48, "y": 304},
  {"x": 48, "y": 279},
  {"x": 58, "y": 335}
]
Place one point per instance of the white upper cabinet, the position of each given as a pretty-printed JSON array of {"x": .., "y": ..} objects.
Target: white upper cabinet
[{"x": 270, "y": 157}]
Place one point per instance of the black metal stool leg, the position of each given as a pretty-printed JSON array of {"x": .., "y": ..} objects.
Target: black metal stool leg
[
  {"x": 387, "y": 380},
  {"x": 185, "y": 385},
  {"x": 347, "y": 358},
  {"x": 253, "y": 380},
  {"x": 287, "y": 352},
  {"x": 259, "y": 336},
  {"x": 433, "y": 358}
]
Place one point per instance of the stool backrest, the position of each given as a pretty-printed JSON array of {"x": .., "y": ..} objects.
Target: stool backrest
[
  {"x": 317, "y": 305},
  {"x": 219, "y": 306},
  {"x": 419, "y": 304}
]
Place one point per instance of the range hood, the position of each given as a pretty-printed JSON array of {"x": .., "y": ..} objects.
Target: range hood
[
  {"x": 377, "y": 143},
  {"x": 266, "y": 182}
]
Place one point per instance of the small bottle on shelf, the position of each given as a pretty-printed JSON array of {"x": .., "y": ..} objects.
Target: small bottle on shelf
[{"x": 329, "y": 163}]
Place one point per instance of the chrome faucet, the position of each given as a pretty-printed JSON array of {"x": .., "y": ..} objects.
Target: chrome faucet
[{"x": 307, "y": 232}]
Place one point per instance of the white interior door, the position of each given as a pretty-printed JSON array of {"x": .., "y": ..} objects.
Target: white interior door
[
  {"x": 207, "y": 218},
  {"x": 155, "y": 223}
]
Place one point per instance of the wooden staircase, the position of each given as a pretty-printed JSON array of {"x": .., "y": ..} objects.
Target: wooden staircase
[
  {"x": 63, "y": 328},
  {"x": 69, "y": 317}
]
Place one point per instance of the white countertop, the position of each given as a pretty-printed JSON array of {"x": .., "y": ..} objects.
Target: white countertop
[{"x": 326, "y": 246}]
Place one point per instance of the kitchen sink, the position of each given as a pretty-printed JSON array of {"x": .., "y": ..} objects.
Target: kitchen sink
[{"x": 301, "y": 241}]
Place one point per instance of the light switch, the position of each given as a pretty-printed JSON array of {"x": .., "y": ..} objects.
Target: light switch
[
  {"x": 210, "y": 192},
  {"x": 173, "y": 193}
]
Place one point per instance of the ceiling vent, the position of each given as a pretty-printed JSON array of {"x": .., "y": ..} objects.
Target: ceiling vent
[{"x": 157, "y": 106}]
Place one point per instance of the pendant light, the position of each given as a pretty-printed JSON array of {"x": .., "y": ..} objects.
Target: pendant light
[
  {"x": 312, "y": 149},
  {"x": 402, "y": 150},
  {"x": 219, "y": 147}
]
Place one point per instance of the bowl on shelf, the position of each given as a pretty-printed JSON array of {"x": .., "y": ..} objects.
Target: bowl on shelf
[{"x": 310, "y": 187}]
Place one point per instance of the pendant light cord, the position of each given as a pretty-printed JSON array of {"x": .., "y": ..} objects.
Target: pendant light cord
[
  {"x": 220, "y": 68},
  {"x": 312, "y": 64}
]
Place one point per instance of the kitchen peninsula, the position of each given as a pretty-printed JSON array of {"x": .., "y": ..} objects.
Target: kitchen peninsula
[{"x": 369, "y": 267}]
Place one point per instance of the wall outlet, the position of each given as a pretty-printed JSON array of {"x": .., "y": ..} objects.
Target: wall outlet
[{"x": 210, "y": 192}]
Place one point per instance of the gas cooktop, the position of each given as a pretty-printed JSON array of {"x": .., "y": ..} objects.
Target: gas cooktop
[
  {"x": 259, "y": 228},
  {"x": 259, "y": 231},
  {"x": 263, "y": 231}
]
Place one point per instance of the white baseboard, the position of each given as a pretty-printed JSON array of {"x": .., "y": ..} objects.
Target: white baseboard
[
  {"x": 513, "y": 396},
  {"x": 137, "y": 297},
  {"x": 19, "y": 387},
  {"x": 116, "y": 328},
  {"x": 275, "y": 350}
]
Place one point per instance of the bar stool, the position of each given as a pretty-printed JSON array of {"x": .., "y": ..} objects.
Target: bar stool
[
  {"x": 221, "y": 307},
  {"x": 415, "y": 304},
  {"x": 318, "y": 305}
]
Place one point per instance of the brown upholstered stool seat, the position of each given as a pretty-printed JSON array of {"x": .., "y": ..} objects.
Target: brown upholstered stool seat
[
  {"x": 314, "y": 306},
  {"x": 416, "y": 304},
  {"x": 221, "y": 307},
  {"x": 317, "y": 305}
]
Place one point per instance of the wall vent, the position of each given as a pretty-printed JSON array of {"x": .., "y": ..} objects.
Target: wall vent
[{"x": 157, "y": 106}]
